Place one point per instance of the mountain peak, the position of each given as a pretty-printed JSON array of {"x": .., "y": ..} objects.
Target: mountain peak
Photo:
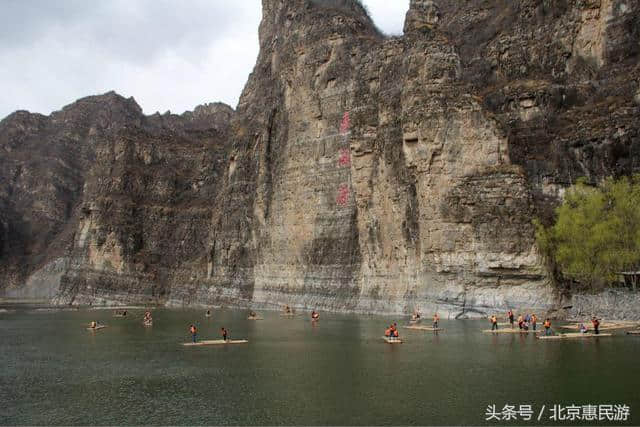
[
  {"x": 110, "y": 100},
  {"x": 422, "y": 14}
]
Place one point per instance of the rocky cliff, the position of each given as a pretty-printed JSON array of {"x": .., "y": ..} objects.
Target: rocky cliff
[
  {"x": 359, "y": 172},
  {"x": 100, "y": 201}
]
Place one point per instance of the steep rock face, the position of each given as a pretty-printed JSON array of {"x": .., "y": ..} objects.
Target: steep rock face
[
  {"x": 358, "y": 172},
  {"x": 112, "y": 194},
  {"x": 401, "y": 173},
  {"x": 42, "y": 170},
  {"x": 559, "y": 77},
  {"x": 371, "y": 178},
  {"x": 147, "y": 207},
  {"x": 278, "y": 220}
]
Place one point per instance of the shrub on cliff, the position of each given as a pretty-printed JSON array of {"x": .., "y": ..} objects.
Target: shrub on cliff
[{"x": 596, "y": 232}]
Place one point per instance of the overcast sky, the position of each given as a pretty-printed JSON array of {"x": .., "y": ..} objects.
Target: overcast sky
[{"x": 168, "y": 55}]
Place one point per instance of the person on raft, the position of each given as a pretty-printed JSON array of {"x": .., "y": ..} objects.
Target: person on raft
[
  {"x": 395, "y": 333},
  {"x": 315, "y": 316},
  {"x": 510, "y": 317},
  {"x": 596, "y": 325},
  {"x": 392, "y": 332},
  {"x": 494, "y": 323},
  {"x": 147, "y": 318},
  {"x": 252, "y": 314},
  {"x": 520, "y": 321},
  {"x": 94, "y": 324},
  {"x": 208, "y": 314},
  {"x": 194, "y": 332},
  {"x": 415, "y": 316},
  {"x": 534, "y": 321},
  {"x": 547, "y": 327},
  {"x": 582, "y": 328},
  {"x": 225, "y": 334},
  {"x": 436, "y": 319},
  {"x": 287, "y": 309}
]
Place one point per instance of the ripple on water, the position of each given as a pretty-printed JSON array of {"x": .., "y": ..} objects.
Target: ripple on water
[{"x": 53, "y": 371}]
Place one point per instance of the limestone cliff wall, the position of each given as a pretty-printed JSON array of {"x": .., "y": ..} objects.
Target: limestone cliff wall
[
  {"x": 106, "y": 204},
  {"x": 381, "y": 184},
  {"x": 401, "y": 173},
  {"x": 358, "y": 172}
]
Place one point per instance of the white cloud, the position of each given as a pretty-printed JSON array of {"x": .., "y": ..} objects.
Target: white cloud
[{"x": 168, "y": 55}]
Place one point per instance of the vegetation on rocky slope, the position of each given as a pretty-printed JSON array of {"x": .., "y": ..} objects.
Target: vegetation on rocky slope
[{"x": 596, "y": 233}]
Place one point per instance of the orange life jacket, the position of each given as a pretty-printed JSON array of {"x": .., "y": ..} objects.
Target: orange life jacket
[
  {"x": 547, "y": 324},
  {"x": 395, "y": 333},
  {"x": 387, "y": 333}
]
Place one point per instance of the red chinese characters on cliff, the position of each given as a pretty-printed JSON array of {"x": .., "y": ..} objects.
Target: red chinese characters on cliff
[
  {"x": 345, "y": 124},
  {"x": 343, "y": 195},
  {"x": 345, "y": 157},
  {"x": 344, "y": 160}
]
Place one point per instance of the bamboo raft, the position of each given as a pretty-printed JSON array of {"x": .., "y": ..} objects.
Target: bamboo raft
[
  {"x": 571, "y": 335},
  {"x": 214, "y": 342},
  {"x": 633, "y": 332},
  {"x": 609, "y": 326},
  {"x": 120, "y": 307},
  {"x": 96, "y": 328},
  {"x": 423, "y": 328},
  {"x": 392, "y": 340},
  {"x": 608, "y": 321},
  {"x": 53, "y": 310},
  {"x": 509, "y": 331},
  {"x": 254, "y": 318}
]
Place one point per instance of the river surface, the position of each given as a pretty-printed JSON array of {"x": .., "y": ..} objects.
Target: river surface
[{"x": 338, "y": 372}]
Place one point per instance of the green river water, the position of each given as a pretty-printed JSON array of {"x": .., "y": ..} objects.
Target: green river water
[{"x": 338, "y": 372}]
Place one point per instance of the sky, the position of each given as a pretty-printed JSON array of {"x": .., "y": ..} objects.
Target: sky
[{"x": 167, "y": 54}]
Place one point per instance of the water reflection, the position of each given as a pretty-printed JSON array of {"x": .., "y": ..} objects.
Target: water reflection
[{"x": 337, "y": 371}]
